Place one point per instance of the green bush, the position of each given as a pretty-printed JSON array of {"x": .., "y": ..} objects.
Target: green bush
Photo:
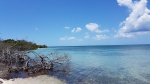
[{"x": 22, "y": 45}]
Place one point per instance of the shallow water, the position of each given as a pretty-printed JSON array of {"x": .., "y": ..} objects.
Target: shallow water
[{"x": 122, "y": 64}]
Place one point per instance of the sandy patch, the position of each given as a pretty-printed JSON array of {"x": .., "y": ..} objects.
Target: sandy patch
[{"x": 43, "y": 79}]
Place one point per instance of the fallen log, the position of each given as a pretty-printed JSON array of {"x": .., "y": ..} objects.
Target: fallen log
[{"x": 17, "y": 61}]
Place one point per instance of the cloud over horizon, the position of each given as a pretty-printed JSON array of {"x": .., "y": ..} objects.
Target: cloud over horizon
[
  {"x": 94, "y": 27},
  {"x": 78, "y": 29},
  {"x": 67, "y": 38},
  {"x": 138, "y": 21},
  {"x": 70, "y": 38},
  {"x": 100, "y": 37},
  {"x": 66, "y": 27}
]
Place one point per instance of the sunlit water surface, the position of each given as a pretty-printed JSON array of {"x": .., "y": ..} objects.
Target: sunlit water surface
[{"x": 121, "y": 64}]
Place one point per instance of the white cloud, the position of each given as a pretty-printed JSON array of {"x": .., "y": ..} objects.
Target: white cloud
[
  {"x": 71, "y": 38},
  {"x": 63, "y": 38},
  {"x": 100, "y": 37},
  {"x": 127, "y": 3},
  {"x": 67, "y": 38},
  {"x": 67, "y": 27},
  {"x": 93, "y": 27},
  {"x": 124, "y": 35},
  {"x": 106, "y": 30},
  {"x": 138, "y": 20},
  {"x": 78, "y": 29},
  {"x": 73, "y": 30}
]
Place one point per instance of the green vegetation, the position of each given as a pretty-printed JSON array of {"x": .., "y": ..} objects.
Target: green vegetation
[{"x": 22, "y": 45}]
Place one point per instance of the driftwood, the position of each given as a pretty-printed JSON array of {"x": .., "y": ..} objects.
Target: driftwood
[{"x": 21, "y": 60}]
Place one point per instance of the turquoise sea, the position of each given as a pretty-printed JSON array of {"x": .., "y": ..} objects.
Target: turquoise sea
[{"x": 110, "y": 64}]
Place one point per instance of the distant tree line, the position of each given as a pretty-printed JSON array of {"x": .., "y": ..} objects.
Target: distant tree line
[{"x": 22, "y": 45}]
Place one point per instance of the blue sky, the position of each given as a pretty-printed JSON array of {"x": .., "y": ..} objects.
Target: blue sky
[{"x": 76, "y": 22}]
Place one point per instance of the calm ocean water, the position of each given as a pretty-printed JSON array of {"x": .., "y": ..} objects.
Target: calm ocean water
[{"x": 120, "y": 64}]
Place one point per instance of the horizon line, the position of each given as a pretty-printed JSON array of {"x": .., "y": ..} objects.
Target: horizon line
[{"x": 98, "y": 45}]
